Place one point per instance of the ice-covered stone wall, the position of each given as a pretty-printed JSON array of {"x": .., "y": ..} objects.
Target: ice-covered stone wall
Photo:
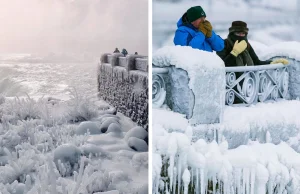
[
  {"x": 123, "y": 82},
  {"x": 194, "y": 82}
]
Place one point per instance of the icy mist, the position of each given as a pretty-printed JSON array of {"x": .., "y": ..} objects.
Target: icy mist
[{"x": 73, "y": 26}]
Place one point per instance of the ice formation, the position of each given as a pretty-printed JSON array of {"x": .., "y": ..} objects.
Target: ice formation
[{"x": 252, "y": 150}]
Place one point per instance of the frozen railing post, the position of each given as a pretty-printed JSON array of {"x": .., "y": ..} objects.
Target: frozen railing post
[
  {"x": 191, "y": 82},
  {"x": 294, "y": 78},
  {"x": 123, "y": 82}
]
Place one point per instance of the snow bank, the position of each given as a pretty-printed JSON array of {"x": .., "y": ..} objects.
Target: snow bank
[{"x": 187, "y": 68}]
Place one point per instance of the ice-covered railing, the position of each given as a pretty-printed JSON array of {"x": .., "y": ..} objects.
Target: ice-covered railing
[
  {"x": 197, "y": 84},
  {"x": 250, "y": 84},
  {"x": 123, "y": 82}
]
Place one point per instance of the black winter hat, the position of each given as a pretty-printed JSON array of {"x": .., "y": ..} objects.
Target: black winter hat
[
  {"x": 238, "y": 26},
  {"x": 195, "y": 13}
]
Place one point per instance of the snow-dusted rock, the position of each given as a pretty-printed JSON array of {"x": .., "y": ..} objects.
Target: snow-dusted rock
[
  {"x": 114, "y": 128},
  {"x": 138, "y": 132},
  {"x": 88, "y": 126},
  {"x": 137, "y": 144},
  {"x": 107, "y": 122}
]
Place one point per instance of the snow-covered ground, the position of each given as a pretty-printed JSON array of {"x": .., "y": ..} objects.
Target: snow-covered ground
[{"x": 58, "y": 137}]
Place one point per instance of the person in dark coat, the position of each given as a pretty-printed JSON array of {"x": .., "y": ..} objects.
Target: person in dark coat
[
  {"x": 195, "y": 31},
  {"x": 238, "y": 51},
  {"x": 116, "y": 50},
  {"x": 124, "y": 52}
]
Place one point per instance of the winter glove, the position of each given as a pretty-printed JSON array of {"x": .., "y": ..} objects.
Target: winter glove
[
  {"x": 238, "y": 47},
  {"x": 206, "y": 28},
  {"x": 281, "y": 60}
]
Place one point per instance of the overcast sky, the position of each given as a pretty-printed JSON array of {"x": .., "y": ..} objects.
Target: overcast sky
[{"x": 73, "y": 26}]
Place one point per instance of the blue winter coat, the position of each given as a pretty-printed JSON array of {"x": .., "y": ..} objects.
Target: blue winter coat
[{"x": 188, "y": 35}]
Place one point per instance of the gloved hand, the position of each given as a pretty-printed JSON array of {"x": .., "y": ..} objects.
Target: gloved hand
[
  {"x": 238, "y": 47},
  {"x": 206, "y": 28},
  {"x": 281, "y": 60}
]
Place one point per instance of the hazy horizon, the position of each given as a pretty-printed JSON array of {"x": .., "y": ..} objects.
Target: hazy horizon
[{"x": 73, "y": 26}]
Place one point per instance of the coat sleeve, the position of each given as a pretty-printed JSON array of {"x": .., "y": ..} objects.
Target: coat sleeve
[
  {"x": 181, "y": 38},
  {"x": 216, "y": 42},
  {"x": 198, "y": 41},
  {"x": 227, "y": 57},
  {"x": 184, "y": 38},
  {"x": 255, "y": 58}
]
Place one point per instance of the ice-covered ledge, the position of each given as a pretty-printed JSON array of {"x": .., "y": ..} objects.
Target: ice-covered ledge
[
  {"x": 189, "y": 81},
  {"x": 123, "y": 83}
]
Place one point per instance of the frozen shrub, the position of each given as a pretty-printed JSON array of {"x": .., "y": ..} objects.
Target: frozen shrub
[
  {"x": 81, "y": 108},
  {"x": 66, "y": 158},
  {"x": 88, "y": 126},
  {"x": 93, "y": 150}
]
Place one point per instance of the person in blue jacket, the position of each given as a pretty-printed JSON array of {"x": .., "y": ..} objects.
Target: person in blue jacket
[{"x": 195, "y": 31}]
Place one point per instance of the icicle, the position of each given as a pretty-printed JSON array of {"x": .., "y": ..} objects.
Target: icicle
[
  {"x": 192, "y": 176},
  {"x": 179, "y": 173},
  {"x": 186, "y": 178},
  {"x": 252, "y": 180},
  {"x": 247, "y": 181},
  {"x": 197, "y": 181},
  {"x": 214, "y": 184},
  {"x": 174, "y": 182},
  {"x": 244, "y": 181},
  {"x": 262, "y": 177},
  {"x": 238, "y": 179},
  {"x": 157, "y": 185},
  {"x": 172, "y": 150},
  {"x": 202, "y": 181}
]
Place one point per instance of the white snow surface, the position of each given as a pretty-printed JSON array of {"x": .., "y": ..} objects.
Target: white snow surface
[
  {"x": 283, "y": 49},
  {"x": 51, "y": 139},
  {"x": 187, "y": 58}
]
